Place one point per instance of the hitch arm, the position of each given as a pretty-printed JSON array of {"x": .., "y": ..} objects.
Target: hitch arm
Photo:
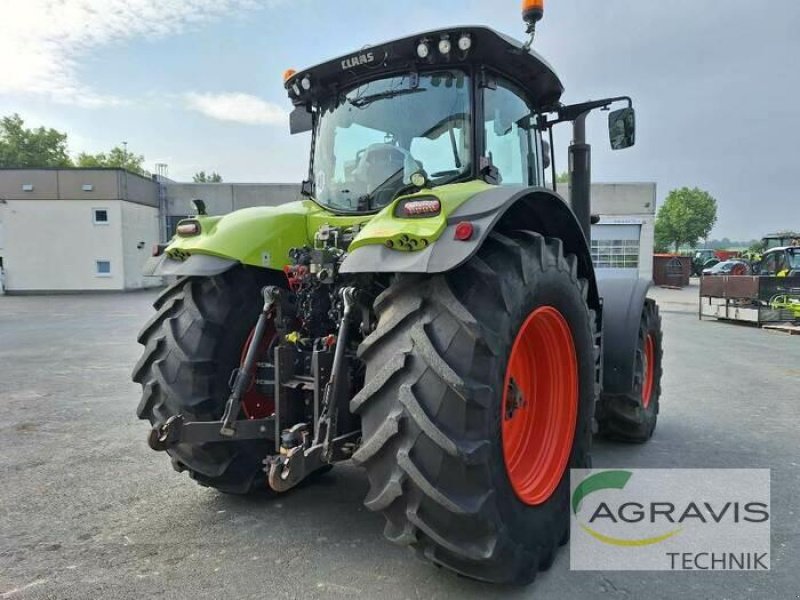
[
  {"x": 244, "y": 376},
  {"x": 327, "y": 424},
  {"x": 178, "y": 431}
]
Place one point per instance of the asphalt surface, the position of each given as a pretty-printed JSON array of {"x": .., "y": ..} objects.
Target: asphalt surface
[{"x": 88, "y": 511}]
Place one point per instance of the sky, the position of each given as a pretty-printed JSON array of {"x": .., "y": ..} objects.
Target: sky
[{"x": 197, "y": 84}]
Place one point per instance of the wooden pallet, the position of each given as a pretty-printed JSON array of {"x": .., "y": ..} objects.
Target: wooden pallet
[{"x": 784, "y": 328}]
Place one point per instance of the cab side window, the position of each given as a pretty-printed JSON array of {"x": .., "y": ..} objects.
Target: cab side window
[
  {"x": 780, "y": 262},
  {"x": 768, "y": 265},
  {"x": 512, "y": 143}
]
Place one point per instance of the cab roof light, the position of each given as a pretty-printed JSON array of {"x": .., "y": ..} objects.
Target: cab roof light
[
  {"x": 532, "y": 11},
  {"x": 423, "y": 49}
]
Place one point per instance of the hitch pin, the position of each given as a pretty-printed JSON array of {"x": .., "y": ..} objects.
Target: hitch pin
[{"x": 244, "y": 375}]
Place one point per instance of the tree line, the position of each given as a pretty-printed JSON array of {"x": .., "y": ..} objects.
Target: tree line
[{"x": 42, "y": 147}]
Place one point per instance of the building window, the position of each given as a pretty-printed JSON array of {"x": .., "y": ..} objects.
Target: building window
[
  {"x": 87, "y": 187},
  {"x": 100, "y": 216},
  {"x": 27, "y": 187},
  {"x": 615, "y": 254},
  {"x": 102, "y": 268}
]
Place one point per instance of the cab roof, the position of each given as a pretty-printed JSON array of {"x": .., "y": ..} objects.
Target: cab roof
[{"x": 497, "y": 51}]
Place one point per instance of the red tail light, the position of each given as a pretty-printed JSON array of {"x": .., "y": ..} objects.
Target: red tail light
[{"x": 464, "y": 231}]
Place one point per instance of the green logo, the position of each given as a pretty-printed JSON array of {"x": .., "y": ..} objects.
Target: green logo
[{"x": 606, "y": 480}]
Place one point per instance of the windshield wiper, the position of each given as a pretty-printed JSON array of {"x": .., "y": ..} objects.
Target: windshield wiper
[{"x": 367, "y": 100}]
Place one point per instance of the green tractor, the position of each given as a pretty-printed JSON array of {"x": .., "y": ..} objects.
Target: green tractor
[{"x": 428, "y": 310}]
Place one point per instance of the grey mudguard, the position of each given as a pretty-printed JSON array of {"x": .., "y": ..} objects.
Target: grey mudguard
[
  {"x": 623, "y": 302},
  {"x": 203, "y": 265}
]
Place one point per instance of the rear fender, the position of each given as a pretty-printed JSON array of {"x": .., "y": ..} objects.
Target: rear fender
[
  {"x": 201, "y": 265},
  {"x": 259, "y": 236},
  {"x": 504, "y": 209},
  {"x": 623, "y": 302}
]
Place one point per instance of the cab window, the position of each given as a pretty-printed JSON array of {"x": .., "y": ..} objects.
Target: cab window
[
  {"x": 512, "y": 143},
  {"x": 768, "y": 265},
  {"x": 780, "y": 262}
]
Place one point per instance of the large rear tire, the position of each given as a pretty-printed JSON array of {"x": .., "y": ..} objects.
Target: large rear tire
[
  {"x": 192, "y": 344},
  {"x": 633, "y": 417},
  {"x": 434, "y": 408}
]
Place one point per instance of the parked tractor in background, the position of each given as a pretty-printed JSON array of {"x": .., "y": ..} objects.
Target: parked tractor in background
[
  {"x": 779, "y": 262},
  {"x": 782, "y": 239},
  {"x": 428, "y": 311},
  {"x": 704, "y": 258}
]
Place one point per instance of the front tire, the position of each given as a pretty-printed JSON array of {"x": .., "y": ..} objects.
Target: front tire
[
  {"x": 435, "y": 402},
  {"x": 633, "y": 417}
]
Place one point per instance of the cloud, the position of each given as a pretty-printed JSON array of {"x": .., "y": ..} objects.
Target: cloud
[
  {"x": 237, "y": 107},
  {"x": 43, "y": 41}
]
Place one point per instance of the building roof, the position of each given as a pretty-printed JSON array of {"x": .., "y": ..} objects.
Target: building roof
[{"x": 97, "y": 184}]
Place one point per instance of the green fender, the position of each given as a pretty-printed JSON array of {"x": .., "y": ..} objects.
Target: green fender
[
  {"x": 261, "y": 236},
  {"x": 486, "y": 208}
]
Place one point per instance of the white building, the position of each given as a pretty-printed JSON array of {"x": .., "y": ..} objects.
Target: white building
[
  {"x": 65, "y": 230},
  {"x": 623, "y": 239}
]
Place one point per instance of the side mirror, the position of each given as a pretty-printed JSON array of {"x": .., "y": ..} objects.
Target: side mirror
[
  {"x": 622, "y": 128},
  {"x": 301, "y": 120}
]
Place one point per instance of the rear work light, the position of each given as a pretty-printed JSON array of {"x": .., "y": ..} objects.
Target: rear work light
[
  {"x": 426, "y": 207},
  {"x": 188, "y": 228}
]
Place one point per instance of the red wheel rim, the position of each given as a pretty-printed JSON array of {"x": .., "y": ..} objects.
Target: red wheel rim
[
  {"x": 649, "y": 369},
  {"x": 540, "y": 405},
  {"x": 255, "y": 404}
]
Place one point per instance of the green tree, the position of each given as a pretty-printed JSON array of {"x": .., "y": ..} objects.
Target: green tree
[
  {"x": 22, "y": 147},
  {"x": 117, "y": 158},
  {"x": 203, "y": 177},
  {"x": 686, "y": 216},
  {"x": 562, "y": 177}
]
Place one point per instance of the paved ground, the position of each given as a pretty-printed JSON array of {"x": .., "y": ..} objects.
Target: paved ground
[{"x": 88, "y": 511}]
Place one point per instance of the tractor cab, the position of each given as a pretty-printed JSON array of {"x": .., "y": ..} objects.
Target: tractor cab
[
  {"x": 441, "y": 107},
  {"x": 779, "y": 262}
]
